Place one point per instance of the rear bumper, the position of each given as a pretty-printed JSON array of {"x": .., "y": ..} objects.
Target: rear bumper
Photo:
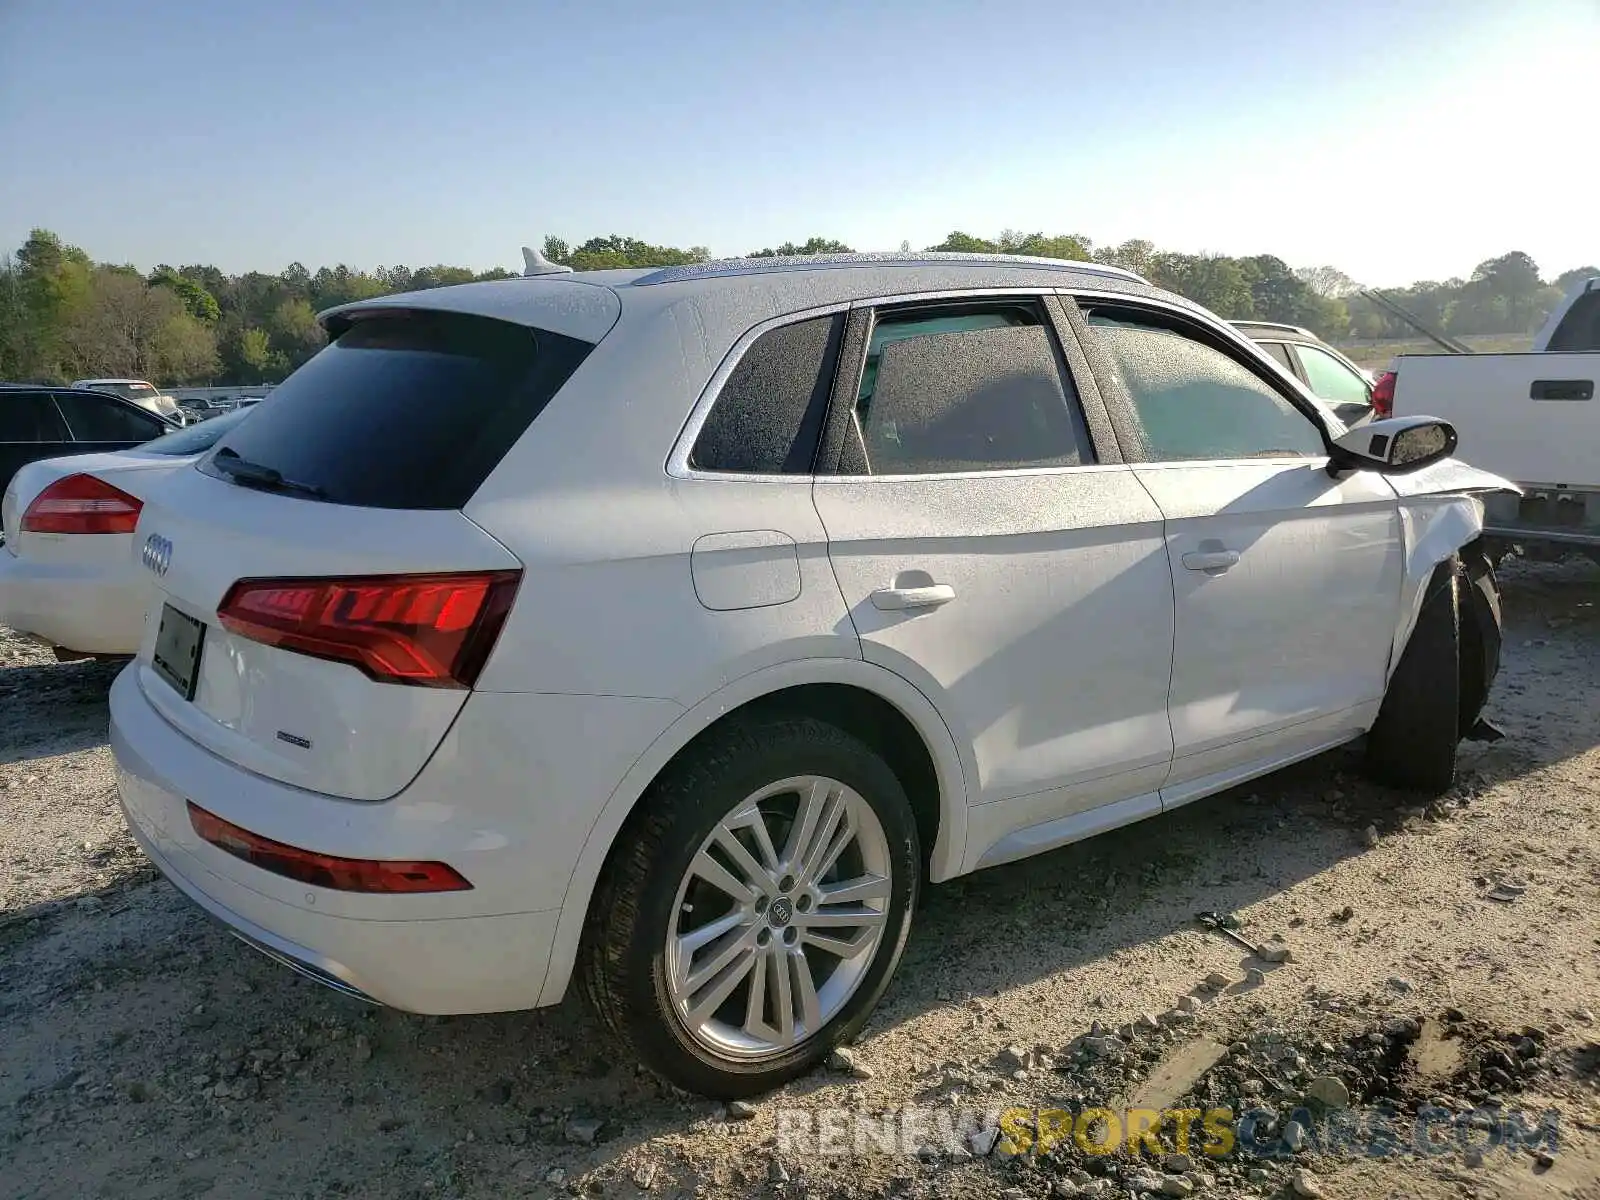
[
  {"x": 409, "y": 952},
  {"x": 93, "y": 608}
]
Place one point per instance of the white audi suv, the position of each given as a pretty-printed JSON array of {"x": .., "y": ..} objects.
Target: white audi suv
[{"x": 668, "y": 630}]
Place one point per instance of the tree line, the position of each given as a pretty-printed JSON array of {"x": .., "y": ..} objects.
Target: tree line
[{"x": 65, "y": 316}]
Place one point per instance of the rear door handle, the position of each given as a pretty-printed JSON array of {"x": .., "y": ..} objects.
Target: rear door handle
[
  {"x": 899, "y": 599},
  {"x": 1561, "y": 389},
  {"x": 1210, "y": 560}
]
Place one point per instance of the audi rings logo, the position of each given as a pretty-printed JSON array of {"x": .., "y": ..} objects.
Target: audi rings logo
[{"x": 157, "y": 553}]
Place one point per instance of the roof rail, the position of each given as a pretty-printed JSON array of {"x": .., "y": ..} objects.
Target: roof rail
[
  {"x": 1300, "y": 329},
  {"x": 719, "y": 268}
]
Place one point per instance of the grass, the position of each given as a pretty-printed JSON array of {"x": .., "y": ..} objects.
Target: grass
[{"x": 1376, "y": 353}]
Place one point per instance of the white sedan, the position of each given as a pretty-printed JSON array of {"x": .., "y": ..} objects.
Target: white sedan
[{"x": 68, "y": 573}]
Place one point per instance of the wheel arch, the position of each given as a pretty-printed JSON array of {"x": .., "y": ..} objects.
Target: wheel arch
[
  {"x": 1436, "y": 528},
  {"x": 861, "y": 692}
]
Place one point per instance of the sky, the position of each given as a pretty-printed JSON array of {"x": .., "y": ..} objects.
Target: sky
[{"x": 1398, "y": 140}]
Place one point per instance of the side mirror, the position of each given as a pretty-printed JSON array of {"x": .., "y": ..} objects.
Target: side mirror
[{"x": 1393, "y": 445}]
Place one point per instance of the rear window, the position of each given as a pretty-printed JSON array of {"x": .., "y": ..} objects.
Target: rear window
[
  {"x": 407, "y": 409},
  {"x": 195, "y": 439}
]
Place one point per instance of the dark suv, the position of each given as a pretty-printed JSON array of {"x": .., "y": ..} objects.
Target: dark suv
[
  {"x": 1333, "y": 378},
  {"x": 43, "y": 422}
]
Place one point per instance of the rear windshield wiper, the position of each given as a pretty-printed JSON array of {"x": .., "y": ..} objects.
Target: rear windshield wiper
[{"x": 256, "y": 475}]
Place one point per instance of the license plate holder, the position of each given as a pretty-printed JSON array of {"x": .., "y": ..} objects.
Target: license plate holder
[{"x": 176, "y": 657}]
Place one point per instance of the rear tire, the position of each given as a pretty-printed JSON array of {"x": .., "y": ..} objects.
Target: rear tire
[
  {"x": 656, "y": 985},
  {"x": 1480, "y": 635},
  {"x": 1412, "y": 745}
]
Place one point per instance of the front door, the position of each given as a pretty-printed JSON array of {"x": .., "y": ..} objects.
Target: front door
[
  {"x": 1287, "y": 580},
  {"x": 988, "y": 557}
]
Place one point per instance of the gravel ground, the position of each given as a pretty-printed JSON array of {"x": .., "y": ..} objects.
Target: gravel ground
[{"x": 1446, "y": 956}]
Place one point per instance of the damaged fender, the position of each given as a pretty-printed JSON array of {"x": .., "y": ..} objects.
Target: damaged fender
[{"x": 1440, "y": 512}]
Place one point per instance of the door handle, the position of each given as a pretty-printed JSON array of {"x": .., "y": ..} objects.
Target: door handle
[
  {"x": 1561, "y": 389},
  {"x": 1210, "y": 560},
  {"x": 898, "y": 599}
]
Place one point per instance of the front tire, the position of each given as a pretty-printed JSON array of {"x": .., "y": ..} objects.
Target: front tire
[
  {"x": 1412, "y": 745},
  {"x": 755, "y": 907}
]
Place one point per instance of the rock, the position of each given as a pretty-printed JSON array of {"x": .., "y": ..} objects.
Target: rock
[
  {"x": 844, "y": 1060},
  {"x": 361, "y": 1047},
  {"x": 1544, "y": 1159},
  {"x": 739, "y": 1110},
  {"x": 1176, "y": 1185},
  {"x": 1147, "y": 1023},
  {"x": 1142, "y": 1181},
  {"x": 1274, "y": 952},
  {"x": 1472, "y": 1157},
  {"x": 1188, "y": 1004},
  {"x": 1399, "y": 984},
  {"x": 1015, "y": 1058},
  {"x": 1255, "y": 977},
  {"x": 1402, "y": 1027},
  {"x": 498, "y": 1092},
  {"x": 777, "y": 1173},
  {"x": 1258, "y": 1175},
  {"x": 556, "y": 1176},
  {"x": 1328, "y": 1091},
  {"x": 981, "y": 1141},
  {"x": 583, "y": 1130},
  {"x": 1294, "y": 1136},
  {"x": 1178, "y": 1164},
  {"x": 644, "y": 1177},
  {"x": 1305, "y": 1184},
  {"x": 1582, "y": 1014},
  {"x": 1218, "y": 982},
  {"x": 89, "y": 903},
  {"x": 1066, "y": 1190},
  {"x": 1103, "y": 1047},
  {"x": 1370, "y": 834}
]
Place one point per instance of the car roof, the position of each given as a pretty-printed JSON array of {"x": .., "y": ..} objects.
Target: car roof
[{"x": 741, "y": 292}]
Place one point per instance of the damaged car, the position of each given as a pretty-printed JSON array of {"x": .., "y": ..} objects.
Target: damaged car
[{"x": 664, "y": 632}]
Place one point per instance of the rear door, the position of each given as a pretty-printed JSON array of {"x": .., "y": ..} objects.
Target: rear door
[
  {"x": 30, "y": 429},
  {"x": 101, "y": 422},
  {"x": 323, "y": 603},
  {"x": 1287, "y": 580},
  {"x": 997, "y": 554}
]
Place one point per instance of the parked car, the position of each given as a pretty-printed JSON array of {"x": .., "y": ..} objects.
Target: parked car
[
  {"x": 68, "y": 574},
  {"x": 1338, "y": 382},
  {"x": 43, "y": 422},
  {"x": 203, "y": 408},
  {"x": 145, "y": 395},
  {"x": 670, "y": 629},
  {"x": 1531, "y": 417}
]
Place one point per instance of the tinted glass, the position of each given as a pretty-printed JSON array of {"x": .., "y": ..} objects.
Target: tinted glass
[
  {"x": 408, "y": 409},
  {"x": 30, "y": 417},
  {"x": 1192, "y": 401},
  {"x": 1580, "y": 328},
  {"x": 1280, "y": 352},
  {"x": 969, "y": 393},
  {"x": 194, "y": 439},
  {"x": 1330, "y": 379},
  {"x": 102, "y": 419},
  {"x": 769, "y": 414}
]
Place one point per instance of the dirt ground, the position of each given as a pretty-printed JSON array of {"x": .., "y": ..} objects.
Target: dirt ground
[{"x": 1444, "y": 959}]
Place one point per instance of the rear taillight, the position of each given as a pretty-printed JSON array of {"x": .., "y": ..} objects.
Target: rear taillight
[
  {"x": 325, "y": 870},
  {"x": 81, "y": 504},
  {"x": 1383, "y": 395},
  {"x": 427, "y": 630}
]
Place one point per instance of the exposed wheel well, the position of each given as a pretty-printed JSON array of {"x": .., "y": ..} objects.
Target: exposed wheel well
[{"x": 867, "y": 716}]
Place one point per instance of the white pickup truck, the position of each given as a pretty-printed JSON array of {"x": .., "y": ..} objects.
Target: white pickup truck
[{"x": 1532, "y": 418}]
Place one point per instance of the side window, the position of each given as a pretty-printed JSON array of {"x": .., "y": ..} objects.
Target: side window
[
  {"x": 967, "y": 390},
  {"x": 30, "y": 417},
  {"x": 1280, "y": 352},
  {"x": 101, "y": 419},
  {"x": 1194, "y": 402},
  {"x": 768, "y": 416},
  {"x": 1330, "y": 379}
]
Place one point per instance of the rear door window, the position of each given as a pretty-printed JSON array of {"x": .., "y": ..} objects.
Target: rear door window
[
  {"x": 977, "y": 389},
  {"x": 102, "y": 419},
  {"x": 30, "y": 417},
  {"x": 407, "y": 409},
  {"x": 1280, "y": 352}
]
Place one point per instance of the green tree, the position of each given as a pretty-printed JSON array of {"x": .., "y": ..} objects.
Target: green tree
[
  {"x": 201, "y": 304},
  {"x": 964, "y": 243},
  {"x": 812, "y": 245},
  {"x": 1565, "y": 281}
]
